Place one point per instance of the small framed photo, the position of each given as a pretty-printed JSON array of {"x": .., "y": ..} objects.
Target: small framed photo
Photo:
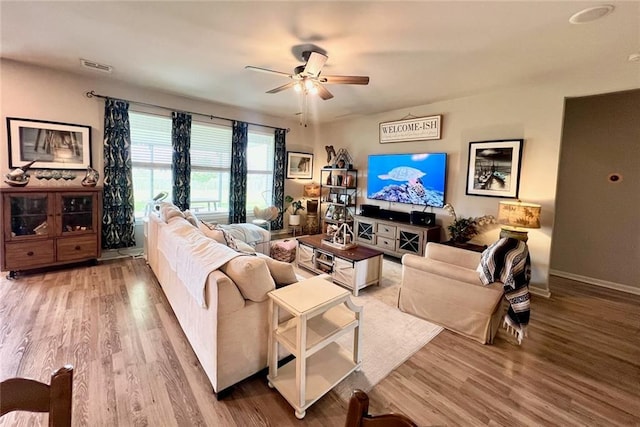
[
  {"x": 344, "y": 199},
  {"x": 52, "y": 145},
  {"x": 299, "y": 165},
  {"x": 330, "y": 212},
  {"x": 494, "y": 168}
]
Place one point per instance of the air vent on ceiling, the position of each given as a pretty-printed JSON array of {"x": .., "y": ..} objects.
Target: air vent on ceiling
[{"x": 92, "y": 65}]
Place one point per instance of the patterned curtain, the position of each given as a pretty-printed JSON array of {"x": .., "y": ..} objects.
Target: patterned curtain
[
  {"x": 118, "y": 212},
  {"x": 278, "y": 176},
  {"x": 181, "y": 165},
  {"x": 238, "y": 187}
]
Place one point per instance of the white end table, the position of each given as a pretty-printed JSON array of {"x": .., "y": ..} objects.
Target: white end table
[{"x": 322, "y": 312}]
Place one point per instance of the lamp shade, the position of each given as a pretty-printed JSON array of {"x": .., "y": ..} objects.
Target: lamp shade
[{"x": 519, "y": 214}]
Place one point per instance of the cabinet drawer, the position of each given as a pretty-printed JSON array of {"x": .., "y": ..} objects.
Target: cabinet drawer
[
  {"x": 28, "y": 254},
  {"x": 385, "y": 230},
  {"x": 76, "y": 248},
  {"x": 386, "y": 243}
]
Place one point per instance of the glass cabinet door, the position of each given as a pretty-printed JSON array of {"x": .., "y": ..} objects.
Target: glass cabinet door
[
  {"x": 29, "y": 215},
  {"x": 410, "y": 242},
  {"x": 364, "y": 232},
  {"x": 76, "y": 213}
]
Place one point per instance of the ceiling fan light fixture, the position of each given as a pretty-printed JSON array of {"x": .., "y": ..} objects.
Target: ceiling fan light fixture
[
  {"x": 309, "y": 85},
  {"x": 313, "y": 90},
  {"x": 297, "y": 87},
  {"x": 591, "y": 14}
]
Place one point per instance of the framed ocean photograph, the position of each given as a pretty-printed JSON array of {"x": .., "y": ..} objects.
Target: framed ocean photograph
[{"x": 494, "y": 168}]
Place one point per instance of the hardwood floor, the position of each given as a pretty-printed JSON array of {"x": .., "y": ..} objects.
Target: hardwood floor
[{"x": 579, "y": 366}]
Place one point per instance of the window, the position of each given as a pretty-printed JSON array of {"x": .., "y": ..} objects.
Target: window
[
  {"x": 210, "y": 167},
  {"x": 150, "y": 158},
  {"x": 151, "y": 154},
  {"x": 260, "y": 155}
]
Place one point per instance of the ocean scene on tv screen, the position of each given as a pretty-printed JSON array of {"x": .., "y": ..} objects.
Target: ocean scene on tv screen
[{"x": 417, "y": 179}]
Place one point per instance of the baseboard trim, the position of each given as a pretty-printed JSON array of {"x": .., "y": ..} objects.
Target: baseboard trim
[
  {"x": 540, "y": 292},
  {"x": 596, "y": 282}
]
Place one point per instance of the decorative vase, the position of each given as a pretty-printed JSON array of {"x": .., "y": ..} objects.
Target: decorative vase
[
  {"x": 294, "y": 219},
  {"x": 91, "y": 179}
]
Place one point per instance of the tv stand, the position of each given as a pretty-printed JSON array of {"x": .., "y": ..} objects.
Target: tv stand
[{"x": 394, "y": 237}]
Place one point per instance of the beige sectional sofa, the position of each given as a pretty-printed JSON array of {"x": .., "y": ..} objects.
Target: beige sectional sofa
[
  {"x": 444, "y": 287},
  {"x": 225, "y": 318}
]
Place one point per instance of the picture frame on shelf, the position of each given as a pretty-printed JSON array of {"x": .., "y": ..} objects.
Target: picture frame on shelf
[
  {"x": 344, "y": 199},
  {"x": 299, "y": 165},
  {"x": 52, "y": 145},
  {"x": 494, "y": 168},
  {"x": 330, "y": 211}
]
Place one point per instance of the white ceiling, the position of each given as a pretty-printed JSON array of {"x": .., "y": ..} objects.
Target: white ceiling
[{"x": 415, "y": 52}]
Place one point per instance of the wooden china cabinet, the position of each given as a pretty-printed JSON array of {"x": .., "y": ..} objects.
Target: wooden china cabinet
[{"x": 47, "y": 226}]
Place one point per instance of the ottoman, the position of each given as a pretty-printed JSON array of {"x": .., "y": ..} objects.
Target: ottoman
[{"x": 284, "y": 250}]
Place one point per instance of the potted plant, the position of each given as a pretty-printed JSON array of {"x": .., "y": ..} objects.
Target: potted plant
[
  {"x": 461, "y": 229},
  {"x": 296, "y": 205}
]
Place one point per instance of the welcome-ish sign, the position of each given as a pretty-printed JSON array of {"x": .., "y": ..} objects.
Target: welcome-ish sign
[{"x": 415, "y": 129}]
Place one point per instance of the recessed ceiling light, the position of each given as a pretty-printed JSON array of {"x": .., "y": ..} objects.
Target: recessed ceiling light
[{"x": 591, "y": 14}]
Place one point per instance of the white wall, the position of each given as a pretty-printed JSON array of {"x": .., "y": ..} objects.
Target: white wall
[
  {"x": 534, "y": 114},
  {"x": 38, "y": 93}
]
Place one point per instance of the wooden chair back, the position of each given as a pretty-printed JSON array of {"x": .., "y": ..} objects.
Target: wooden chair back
[
  {"x": 22, "y": 394},
  {"x": 357, "y": 414}
]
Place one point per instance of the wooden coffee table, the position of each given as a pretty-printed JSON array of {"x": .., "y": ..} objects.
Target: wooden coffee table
[{"x": 353, "y": 268}]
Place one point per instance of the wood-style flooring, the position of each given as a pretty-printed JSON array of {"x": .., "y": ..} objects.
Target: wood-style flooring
[{"x": 580, "y": 365}]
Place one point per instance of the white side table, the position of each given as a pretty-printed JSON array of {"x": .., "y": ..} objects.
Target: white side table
[{"x": 322, "y": 312}]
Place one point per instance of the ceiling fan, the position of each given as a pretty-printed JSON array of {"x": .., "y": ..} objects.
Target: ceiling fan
[{"x": 307, "y": 78}]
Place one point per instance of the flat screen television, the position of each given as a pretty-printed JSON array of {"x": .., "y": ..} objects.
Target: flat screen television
[{"x": 417, "y": 179}]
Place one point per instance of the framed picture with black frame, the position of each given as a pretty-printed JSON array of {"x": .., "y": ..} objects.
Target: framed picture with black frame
[
  {"x": 494, "y": 168},
  {"x": 299, "y": 165},
  {"x": 52, "y": 145}
]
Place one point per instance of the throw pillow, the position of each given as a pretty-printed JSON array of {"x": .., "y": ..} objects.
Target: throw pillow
[
  {"x": 251, "y": 275},
  {"x": 168, "y": 211},
  {"x": 282, "y": 272},
  {"x": 191, "y": 217},
  {"x": 211, "y": 232},
  {"x": 244, "y": 247},
  {"x": 220, "y": 235}
]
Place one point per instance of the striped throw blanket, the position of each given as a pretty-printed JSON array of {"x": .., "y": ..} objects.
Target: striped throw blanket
[{"x": 508, "y": 261}]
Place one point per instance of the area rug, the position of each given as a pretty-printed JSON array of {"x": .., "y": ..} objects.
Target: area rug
[{"x": 389, "y": 336}]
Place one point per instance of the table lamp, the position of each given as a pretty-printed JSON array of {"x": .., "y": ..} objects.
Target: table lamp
[{"x": 516, "y": 217}]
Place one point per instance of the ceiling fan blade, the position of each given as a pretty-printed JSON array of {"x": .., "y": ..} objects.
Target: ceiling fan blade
[
  {"x": 281, "y": 88},
  {"x": 314, "y": 64},
  {"x": 266, "y": 70},
  {"x": 345, "y": 80},
  {"x": 323, "y": 92}
]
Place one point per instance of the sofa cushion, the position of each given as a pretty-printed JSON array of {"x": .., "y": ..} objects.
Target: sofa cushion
[
  {"x": 251, "y": 275},
  {"x": 283, "y": 273},
  {"x": 248, "y": 233},
  {"x": 168, "y": 211}
]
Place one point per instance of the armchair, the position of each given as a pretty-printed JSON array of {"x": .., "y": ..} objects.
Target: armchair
[{"x": 444, "y": 287}]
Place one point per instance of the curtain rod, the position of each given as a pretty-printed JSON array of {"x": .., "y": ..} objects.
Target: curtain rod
[{"x": 92, "y": 94}]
